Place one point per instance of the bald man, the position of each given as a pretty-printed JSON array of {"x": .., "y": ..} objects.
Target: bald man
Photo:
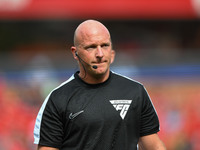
[
  {"x": 97, "y": 109},
  {"x": 92, "y": 43}
]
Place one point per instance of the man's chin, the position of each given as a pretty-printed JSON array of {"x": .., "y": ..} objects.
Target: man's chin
[{"x": 101, "y": 72}]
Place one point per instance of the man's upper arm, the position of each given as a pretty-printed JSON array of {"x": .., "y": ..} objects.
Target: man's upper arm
[
  {"x": 149, "y": 119},
  {"x": 46, "y": 148},
  {"x": 48, "y": 129},
  {"x": 151, "y": 142}
]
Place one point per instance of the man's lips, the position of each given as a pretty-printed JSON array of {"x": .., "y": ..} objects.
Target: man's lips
[{"x": 99, "y": 63}]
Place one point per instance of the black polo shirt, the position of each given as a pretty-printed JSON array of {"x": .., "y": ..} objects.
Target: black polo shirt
[{"x": 108, "y": 116}]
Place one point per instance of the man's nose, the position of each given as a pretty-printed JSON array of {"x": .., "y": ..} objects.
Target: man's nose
[{"x": 99, "y": 52}]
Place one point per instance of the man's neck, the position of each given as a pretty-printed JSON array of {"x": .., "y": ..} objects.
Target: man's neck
[{"x": 94, "y": 79}]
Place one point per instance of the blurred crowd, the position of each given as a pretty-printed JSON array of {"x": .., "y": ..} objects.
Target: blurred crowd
[
  {"x": 32, "y": 65},
  {"x": 17, "y": 116},
  {"x": 177, "y": 106}
]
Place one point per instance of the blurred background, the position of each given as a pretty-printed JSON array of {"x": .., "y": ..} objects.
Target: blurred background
[{"x": 156, "y": 42}]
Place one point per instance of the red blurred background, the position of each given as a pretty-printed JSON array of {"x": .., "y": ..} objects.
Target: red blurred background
[{"x": 157, "y": 43}]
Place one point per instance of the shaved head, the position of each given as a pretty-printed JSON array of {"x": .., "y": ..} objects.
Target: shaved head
[
  {"x": 89, "y": 27},
  {"x": 93, "y": 47}
]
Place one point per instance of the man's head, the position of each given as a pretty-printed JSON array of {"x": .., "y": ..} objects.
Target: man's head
[{"x": 92, "y": 43}]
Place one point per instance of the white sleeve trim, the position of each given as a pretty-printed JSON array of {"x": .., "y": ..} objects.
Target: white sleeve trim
[{"x": 38, "y": 121}]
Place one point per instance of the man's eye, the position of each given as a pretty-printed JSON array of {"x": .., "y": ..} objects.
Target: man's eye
[
  {"x": 93, "y": 46},
  {"x": 105, "y": 45}
]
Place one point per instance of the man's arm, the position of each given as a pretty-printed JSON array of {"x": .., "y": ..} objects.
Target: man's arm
[
  {"x": 46, "y": 148},
  {"x": 151, "y": 142}
]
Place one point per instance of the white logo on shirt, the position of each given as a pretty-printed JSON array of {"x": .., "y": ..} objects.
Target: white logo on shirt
[
  {"x": 122, "y": 106},
  {"x": 72, "y": 116}
]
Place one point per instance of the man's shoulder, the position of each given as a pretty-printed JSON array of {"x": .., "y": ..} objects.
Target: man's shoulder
[
  {"x": 63, "y": 89},
  {"x": 124, "y": 79}
]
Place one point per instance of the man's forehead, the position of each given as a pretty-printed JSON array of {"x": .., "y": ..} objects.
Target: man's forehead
[{"x": 94, "y": 40}]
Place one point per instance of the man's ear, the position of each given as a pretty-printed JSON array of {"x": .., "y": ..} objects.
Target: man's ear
[
  {"x": 112, "y": 56},
  {"x": 74, "y": 52}
]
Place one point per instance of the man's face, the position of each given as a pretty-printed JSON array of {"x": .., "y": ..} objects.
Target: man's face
[{"x": 95, "y": 48}]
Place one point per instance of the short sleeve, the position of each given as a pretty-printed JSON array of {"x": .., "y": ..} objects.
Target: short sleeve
[
  {"x": 48, "y": 129},
  {"x": 149, "y": 118}
]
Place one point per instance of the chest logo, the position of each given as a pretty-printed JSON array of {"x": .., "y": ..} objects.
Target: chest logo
[
  {"x": 122, "y": 106},
  {"x": 74, "y": 115}
]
